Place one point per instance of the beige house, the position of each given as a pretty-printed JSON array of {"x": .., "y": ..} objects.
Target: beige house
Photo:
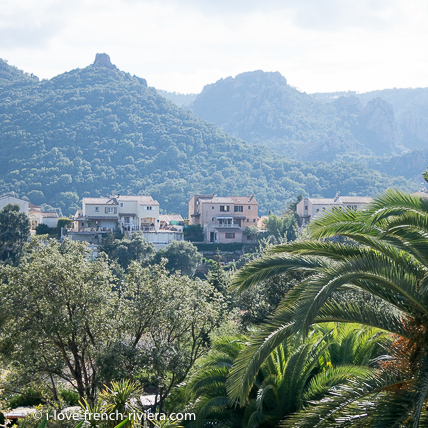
[
  {"x": 223, "y": 219},
  {"x": 311, "y": 208},
  {"x": 127, "y": 213},
  {"x": 37, "y": 216}
]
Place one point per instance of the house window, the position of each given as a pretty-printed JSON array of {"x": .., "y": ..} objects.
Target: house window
[
  {"x": 254, "y": 220},
  {"x": 249, "y": 207},
  {"x": 148, "y": 208},
  {"x": 83, "y": 224},
  {"x": 230, "y": 235},
  {"x": 318, "y": 210},
  {"x": 111, "y": 210},
  {"x": 97, "y": 209},
  {"x": 306, "y": 207},
  {"x": 248, "y": 220},
  {"x": 212, "y": 207},
  {"x": 224, "y": 208},
  {"x": 238, "y": 209},
  {"x": 121, "y": 204}
]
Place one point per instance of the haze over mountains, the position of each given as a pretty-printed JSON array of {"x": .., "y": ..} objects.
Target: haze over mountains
[
  {"x": 99, "y": 130},
  {"x": 384, "y": 129}
]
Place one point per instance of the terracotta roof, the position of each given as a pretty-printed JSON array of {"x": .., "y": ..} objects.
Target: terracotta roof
[{"x": 50, "y": 215}]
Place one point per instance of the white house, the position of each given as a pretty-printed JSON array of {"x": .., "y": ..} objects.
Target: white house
[
  {"x": 23, "y": 205},
  {"x": 127, "y": 214},
  {"x": 309, "y": 208}
]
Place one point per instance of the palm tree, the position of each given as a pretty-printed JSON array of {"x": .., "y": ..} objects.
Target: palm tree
[
  {"x": 297, "y": 373},
  {"x": 360, "y": 267},
  {"x": 294, "y": 374},
  {"x": 207, "y": 387}
]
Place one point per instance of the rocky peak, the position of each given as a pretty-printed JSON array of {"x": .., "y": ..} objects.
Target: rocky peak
[{"x": 103, "y": 60}]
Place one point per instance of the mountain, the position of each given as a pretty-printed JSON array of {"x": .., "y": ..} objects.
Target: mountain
[
  {"x": 410, "y": 108},
  {"x": 98, "y": 130},
  {"x": 10, "y": 74},
  {"x": 180, "y": 100},
  {"x": 263, "y": 108}
]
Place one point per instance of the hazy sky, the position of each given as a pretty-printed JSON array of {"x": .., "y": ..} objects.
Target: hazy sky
[{"x": 181, "y": 45}]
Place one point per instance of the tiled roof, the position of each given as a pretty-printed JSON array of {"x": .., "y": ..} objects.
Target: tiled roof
[
  {"x": 170, "y": 217},
  {"x": 218, "y": 200},
  {"x": 342, "y": 200},
  {"x": 50, "y": 215},
  {"x": 138, "y": 198},
  {"x": 247, "y": 200},
  {"x": 99, "y": 201}
]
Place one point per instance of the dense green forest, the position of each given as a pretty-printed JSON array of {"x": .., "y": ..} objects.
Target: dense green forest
[{"x": 98, "y": 130}]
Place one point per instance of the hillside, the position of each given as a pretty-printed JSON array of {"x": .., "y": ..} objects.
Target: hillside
[
  {"x": 180, "y": 100},
  {"x": 263, "y": 108},
  {"x": 410, "y": 110},
  {"x": 10, "y": 74},
  {"x": 98, "y": 130}
]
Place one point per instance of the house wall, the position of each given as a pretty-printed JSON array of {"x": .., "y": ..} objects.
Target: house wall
[
  {"x": 307, "y": 210},
  {"x": 223, "y": 239},
  {"x": 99, "y": 210},
  {"x": 23, "y": 205}
]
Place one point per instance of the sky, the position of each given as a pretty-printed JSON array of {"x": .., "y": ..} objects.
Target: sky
[{"x": 182, "y": 45}]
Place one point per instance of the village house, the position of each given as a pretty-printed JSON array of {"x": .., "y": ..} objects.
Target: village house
[
  {"x": 124, "y": 213},
  {"x": 310, "y": 208},
  {"x": 35, "y": 215},
  {"x": 7, "y": 199},
  {"x": 223, "y": 219}
]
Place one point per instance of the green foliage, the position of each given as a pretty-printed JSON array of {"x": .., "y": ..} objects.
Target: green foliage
[
  {"x": 63, "y": 222},
  {"x": 293, "y": 375},
  {"x": 28, "y": 397},
  {"x": 10, "y": 74},
  {"x": 194, "y": 233},
  {"x": 169, "y": 319},
  {"x": 127, "y": 249},
  {"x": 14, "y": 232},
  {"x": 62, "y": 304},
  {"x": 214, "y": 247},
  {"x": 285, "y": 226},
  {"x": 69, "y": 396},
  {"x": 43, "y": 229},
  {"x": 94, "y": 131},
  {"x": 385, "y": 256},
  {"x": 149, "y": 327},
  {"x": 181, "y": 257}
]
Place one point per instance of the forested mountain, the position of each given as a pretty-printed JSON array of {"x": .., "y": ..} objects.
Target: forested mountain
[
  {"x": 98, "y": 130},
  {"x": 410, "y": 111},
  {"x": 180, "y": 100},
  {"x": 262, "y": 108},
  {"x": 10, "y": 74}
]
